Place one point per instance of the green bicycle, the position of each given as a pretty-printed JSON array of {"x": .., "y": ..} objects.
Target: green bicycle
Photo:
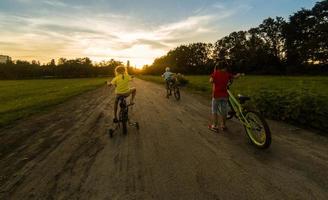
[{"x": 254, "y": 123}]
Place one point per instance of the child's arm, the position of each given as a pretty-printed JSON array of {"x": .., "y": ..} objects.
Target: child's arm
[
  {"x": 238, "y": 75},
  {"x": 212, "y": 78},
  {"x": 109, "y": 84}
]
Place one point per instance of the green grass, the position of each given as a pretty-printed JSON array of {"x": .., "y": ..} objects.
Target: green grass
[
  {"x": 21, "y": 98},
  {"x": 248, "y": 85},
  {"x": 301, "y": 100}
]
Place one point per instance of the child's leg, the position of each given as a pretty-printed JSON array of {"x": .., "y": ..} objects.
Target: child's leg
[
  {"x": 133, "y": 92},
  {"x": 223, "y": 112},
  {"x": 214, "y": 112},
  {"x": 115, "y": 108},
  {"x": 223, "y": 121},
  {"x": 167, "y": 89},
  {"x": 215, "y": 120}
]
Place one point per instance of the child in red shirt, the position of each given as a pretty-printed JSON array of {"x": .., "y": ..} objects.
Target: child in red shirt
[{"x": 220, "y": 79}]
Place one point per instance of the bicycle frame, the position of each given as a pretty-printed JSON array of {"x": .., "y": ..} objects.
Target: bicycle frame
[
  {"x": 237, "y": 107},
  {"x": 124, "y": 110}
]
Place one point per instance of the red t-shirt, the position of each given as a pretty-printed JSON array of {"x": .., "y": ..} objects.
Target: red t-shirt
[{"x": 220, "y": 83}]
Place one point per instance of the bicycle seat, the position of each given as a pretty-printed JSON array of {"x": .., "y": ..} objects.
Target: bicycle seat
[
  {"x": 120, "y": 98},
  {"x": 242, "y": 99}
]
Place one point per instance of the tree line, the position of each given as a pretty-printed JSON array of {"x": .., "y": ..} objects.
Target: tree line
[
  {"x": 296, "y": 46},
  {"x": 65, "y": 68}
]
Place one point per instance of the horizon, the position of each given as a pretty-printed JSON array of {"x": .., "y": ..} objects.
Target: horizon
[{"x": 139, "y": 32}]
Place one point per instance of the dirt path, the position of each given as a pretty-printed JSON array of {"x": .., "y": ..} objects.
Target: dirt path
[{"x": 66, "y": 154}]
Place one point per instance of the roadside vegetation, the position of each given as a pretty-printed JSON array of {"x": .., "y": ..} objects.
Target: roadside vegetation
[
  {"x": 300, "y": 100},
  {"x": 63, "y": 68},
  {"x": 21, "y": 98}
]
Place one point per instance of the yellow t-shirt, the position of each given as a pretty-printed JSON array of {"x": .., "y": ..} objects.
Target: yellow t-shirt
[{"x": 122, "y": 83}]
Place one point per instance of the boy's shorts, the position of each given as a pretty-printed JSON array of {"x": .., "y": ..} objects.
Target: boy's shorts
[{"x": 220, "y": 106}]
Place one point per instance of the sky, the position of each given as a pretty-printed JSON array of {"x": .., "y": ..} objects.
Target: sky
[{"x": 135, "y": 30}]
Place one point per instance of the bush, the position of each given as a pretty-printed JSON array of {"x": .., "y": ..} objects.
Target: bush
[{"x": 297, "y": 107}]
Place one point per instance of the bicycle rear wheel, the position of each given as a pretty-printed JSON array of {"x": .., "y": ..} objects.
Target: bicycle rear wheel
[
  {"x": 258, "y": 131},
  {"x": 124, "y": 127},
  {"x": 124, "y": 122},
  {"x": 177, "y": 93}
]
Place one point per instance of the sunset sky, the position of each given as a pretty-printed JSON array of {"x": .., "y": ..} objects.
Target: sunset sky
[{"x": 138, "y": 30}]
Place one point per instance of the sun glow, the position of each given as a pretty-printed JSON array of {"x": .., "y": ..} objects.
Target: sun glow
[{"x": 138, "y": 55}]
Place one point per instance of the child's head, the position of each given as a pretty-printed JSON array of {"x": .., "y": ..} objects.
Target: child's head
[
  {"x": 221, "y": 65},
  {"x": 167, "y": 69},
  {"x": 120, "y": 70}
]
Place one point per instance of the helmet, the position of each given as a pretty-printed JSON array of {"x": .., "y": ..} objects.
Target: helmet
[{"x": 167, "y": 69}]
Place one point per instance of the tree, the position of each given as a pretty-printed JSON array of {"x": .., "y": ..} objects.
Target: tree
[
  {"x": 271, "y": 31},
  {"x": 232, "y": 49},
  {"x": 320, "y": 39},
  {"x": 307, "y": 35}
]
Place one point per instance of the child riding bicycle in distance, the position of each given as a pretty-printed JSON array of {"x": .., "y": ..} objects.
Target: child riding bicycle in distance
[
  {"x": 122, "y": 87},
  {"x": 220, "y": 79},
  {"x": 168, "y": 77}
]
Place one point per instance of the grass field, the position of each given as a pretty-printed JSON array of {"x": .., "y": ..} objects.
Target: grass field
[
  {"x": 248, "y": 85},
  {"x": 299, "y": 100},
  {"x": 22, "y": 98}
]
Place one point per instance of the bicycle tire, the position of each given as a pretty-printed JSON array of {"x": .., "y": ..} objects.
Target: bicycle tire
[
  {"x": 264, "y": 143},
  {"x": 111, "y": 132},
  {"x": 177, "y": 93},
  {"x": 168, "y": 93},
  {"x": 124, "y": 121},
  {"x": 124, "y": 127}
]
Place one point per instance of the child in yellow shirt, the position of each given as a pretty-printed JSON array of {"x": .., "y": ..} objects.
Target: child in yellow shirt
[{"x": 122, "y": 87}]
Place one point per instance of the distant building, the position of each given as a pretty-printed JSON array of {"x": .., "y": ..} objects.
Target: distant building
[{"x": 4, "y": 59}]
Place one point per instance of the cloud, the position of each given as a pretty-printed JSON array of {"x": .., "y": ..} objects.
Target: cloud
[
  {"x": 56, "y": 3},
  {"x": 104, "y": 35},
  {"x": 67, "y": 29},
  {"x": 154, "y": 44}
]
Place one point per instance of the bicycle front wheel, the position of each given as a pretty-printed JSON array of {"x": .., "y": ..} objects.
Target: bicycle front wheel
[{"x": 258, "y": 130}]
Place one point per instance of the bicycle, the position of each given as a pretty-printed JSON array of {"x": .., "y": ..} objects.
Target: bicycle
[
  {"x": 173, "y": 85},
  {"x": 254, "y": 123},
  {"x": 123, "y": 119}
]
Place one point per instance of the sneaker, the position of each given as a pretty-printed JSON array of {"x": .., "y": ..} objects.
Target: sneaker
[{"x": 213, "y": 128}]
